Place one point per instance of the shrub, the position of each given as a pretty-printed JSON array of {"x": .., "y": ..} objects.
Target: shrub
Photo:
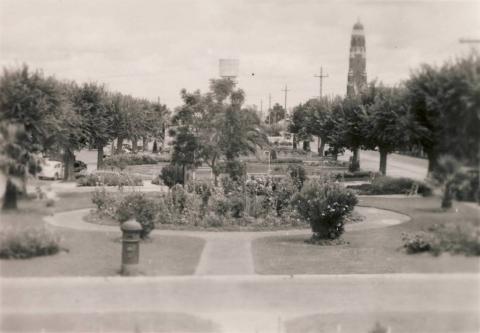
[
  {"x": 456, "y": 239},
  {"x": 298, "y": 174},
  {"x": 138, "y": 206},
  {"x": 273, "y": 154},
  {"x": 179, "y": 197},
  {"x": 286, "y": 160},
  {"x": 388, "y": 185},
  {"x": 417, "y": 243},
  {"x": 466, "y": 186},
  {"x": 157, "y": 181},
  {"x": 283, "y": 191},
  {"x": 221, "y": 206},
  {"x": 324, "y": 205},
  {"x": 213, "y": 220},
  {"x": 237, "y": 204},
  {"x": 355, "y": 174},
  {"x": 27, "y": 243},
  {"x": 235, "y": 169},
  {"x": 172, "y": 174},
  {"x": 204, "y": 190},
  {"x": 102, "y": 178},
  {"x": 122, "y": 160},
  {"x": 106, "y": 203}
]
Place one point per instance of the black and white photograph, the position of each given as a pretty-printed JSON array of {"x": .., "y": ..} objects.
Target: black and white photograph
[{"x": 239, "y": 166}]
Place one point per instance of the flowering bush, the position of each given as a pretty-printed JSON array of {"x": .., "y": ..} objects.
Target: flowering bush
[
  {"x": 416, "y": 243},
  {"x": 137, "y": 205},
  {"x": 324, "y": 205},
  {"x": 171, "y": 175},
  {"x": 27, "y": 243},
  {"x": 298, "y": 174},
  {"x": 122, "y": 160},
  {"x": 105, "y": 202},
  {"x": 456, "y": 239},
  {"x": 260, "y": 203},
  {"x": 110, "y": 178}
]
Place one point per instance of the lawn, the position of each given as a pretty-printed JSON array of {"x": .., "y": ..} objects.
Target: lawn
[
  {"x": 95, "y": 253},
  {"x": 369, "y": 251}
]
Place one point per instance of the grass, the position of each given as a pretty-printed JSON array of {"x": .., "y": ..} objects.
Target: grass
[
  {"x": 95, "y": 253},
  {"x": 106, "y": 322},
  {"x": 369, "y": 251}
]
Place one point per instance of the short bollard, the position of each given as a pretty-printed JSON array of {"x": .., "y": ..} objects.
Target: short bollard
[{"x": 130, "y": 247}]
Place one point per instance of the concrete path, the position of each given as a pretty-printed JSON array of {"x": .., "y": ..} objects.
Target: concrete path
[
  {"x": 229, "y": 253},
  {"x": 243, "y": 303}
]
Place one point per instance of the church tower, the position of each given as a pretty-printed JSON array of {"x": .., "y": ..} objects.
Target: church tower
[{"x": 357, "y": 68}]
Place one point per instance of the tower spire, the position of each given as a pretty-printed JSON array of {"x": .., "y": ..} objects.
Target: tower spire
[{"x": 357, "y": 69}]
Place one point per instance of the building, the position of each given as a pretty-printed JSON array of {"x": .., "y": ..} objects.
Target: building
[{"x": 357, "y": 68}]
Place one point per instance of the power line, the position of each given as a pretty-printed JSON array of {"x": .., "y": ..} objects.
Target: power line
[{"x": 321, "y": 77}]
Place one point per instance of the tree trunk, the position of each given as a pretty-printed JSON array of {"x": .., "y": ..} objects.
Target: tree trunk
[
  {"x": 321, "y": 147},
  {"x": 99, "y": 158},
  {"x": 68, "y": 161},
  {"x": 155, "y": 147},
  {"x": 432, "y": 161},
  {"x": 145, "y": 143},
  {"x": 355, "y": 160},
  {"x": 119, "y": 145},
  {"x": 184, "y": 171},
  {"x": 134, "y": 144},
  {"x": 294, "y": 141},
  {"x": 306, "y": 145},
  {"x": 447, "y": 196},
  {"x": 214, "y": 172},
  {"x": 383, "y": 161},
  {"x": 10, "y": 198}
]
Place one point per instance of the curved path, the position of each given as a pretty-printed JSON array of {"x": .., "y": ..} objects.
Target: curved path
[{"x": 229, "y": 253}]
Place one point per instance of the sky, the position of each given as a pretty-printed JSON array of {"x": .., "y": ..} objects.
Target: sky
[{"x": 153, "y": 49}]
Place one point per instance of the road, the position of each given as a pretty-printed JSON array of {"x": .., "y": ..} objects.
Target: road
[
  {"x": 397, "y": 165},
  {"x": 247, "y": 303}
]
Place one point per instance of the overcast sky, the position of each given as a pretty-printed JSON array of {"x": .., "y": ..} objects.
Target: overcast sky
[{"x": 155, "y": 48}]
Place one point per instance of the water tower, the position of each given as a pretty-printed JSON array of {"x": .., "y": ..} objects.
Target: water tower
[{"x": 228, "y": 68}]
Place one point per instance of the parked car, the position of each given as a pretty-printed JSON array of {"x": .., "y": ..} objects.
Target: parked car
[
  {"x": 79, "y": 166},
  {"x": 51, "y": 169}
]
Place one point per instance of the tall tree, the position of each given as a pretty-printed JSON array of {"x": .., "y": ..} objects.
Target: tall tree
[
  {"x": 91, "y": 102},
  {"x": 276, "y": 114},
  {"x": 69, "y": 134},
  {"x": 317, "y": 115},
  {"x": 444, "y": 107},
  {"x": 30, "y": 105},
  {"x": 299, "y": 125},
  {"x": 387, "y": 127}
]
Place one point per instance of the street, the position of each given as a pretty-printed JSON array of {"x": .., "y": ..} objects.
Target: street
[{"x": 397, "y": 165}]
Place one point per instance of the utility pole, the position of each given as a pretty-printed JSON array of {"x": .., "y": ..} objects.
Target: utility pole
[
  {"x": 261, "y": 109},
  {"x": 285, "y": 90},
  {"x": 270, "y": 108},
  {"x": 321, "y": 77}
]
